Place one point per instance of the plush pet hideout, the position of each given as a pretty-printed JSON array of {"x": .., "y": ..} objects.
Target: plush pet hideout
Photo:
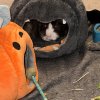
[
  {"x": 17, "y": 63},
  {"x": 46, "y": 11}
]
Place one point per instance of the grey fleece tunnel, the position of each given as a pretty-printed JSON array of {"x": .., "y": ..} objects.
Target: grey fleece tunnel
[{"x": 72, "y": 11}]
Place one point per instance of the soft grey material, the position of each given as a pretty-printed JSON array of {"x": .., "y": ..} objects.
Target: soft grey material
[
  {"x": 72, "y": 11},
  {"x": 56, "y": 76}
]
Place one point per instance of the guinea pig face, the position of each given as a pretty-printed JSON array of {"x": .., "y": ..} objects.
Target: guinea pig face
[
  {"x": 53, "y": 30},
  {"x": 47, "y": 32}
]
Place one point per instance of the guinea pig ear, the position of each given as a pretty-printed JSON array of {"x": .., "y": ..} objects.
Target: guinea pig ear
[
  {"x": 1, "y": 22},
  {"x": 27, "y": 20},
  {"x": 64, "y": 21}
]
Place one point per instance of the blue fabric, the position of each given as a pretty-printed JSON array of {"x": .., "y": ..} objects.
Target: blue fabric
[
  {"x": 4, "y": 14},
  {"x": 96, "y": 33}
]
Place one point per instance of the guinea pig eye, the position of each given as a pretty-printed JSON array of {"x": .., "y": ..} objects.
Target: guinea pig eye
[
  {"x": 55, "y": 26},
  {"x": 45, "y": 26}
]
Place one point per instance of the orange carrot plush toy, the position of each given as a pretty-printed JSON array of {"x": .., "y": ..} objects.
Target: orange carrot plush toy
[{"x": 17, "y": 62}]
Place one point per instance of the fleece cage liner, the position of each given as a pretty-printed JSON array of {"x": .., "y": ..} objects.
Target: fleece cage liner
[{"x": 73, "y": 11}]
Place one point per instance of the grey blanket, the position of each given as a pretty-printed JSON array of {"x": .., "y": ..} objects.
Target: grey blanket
[{"x": 73, "y": 77}]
